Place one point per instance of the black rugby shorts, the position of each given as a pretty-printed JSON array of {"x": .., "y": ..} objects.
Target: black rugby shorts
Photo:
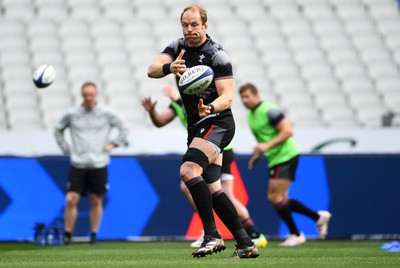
[
  {"x": 219, "y": 131},
  {"x": 227, "y": 159},
  {"x": 285, "y": 170},
  {"x": 84, "y": 180}
]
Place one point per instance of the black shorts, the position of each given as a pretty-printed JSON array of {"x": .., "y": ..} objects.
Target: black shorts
[
  {"x": 218, "y": 130},
  {"x": 227, "y": 159},
  {"x": 84, "y": 180},
  {"x": 285, "y": 170}
]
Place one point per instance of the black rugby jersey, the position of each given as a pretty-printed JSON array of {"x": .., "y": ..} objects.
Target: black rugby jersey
[{"x": 209, "y": 53}]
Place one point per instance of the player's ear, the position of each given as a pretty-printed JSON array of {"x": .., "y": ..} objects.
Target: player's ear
[{"x": 205, "y": 25}]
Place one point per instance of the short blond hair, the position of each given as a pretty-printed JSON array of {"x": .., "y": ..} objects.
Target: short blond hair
[
  {"x": 248, "y": 86},
  {"x": 88, "y": 84},
  {"x": 202, "y": 12}
]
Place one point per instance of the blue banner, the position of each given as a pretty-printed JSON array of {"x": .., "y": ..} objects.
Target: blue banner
[{"x": 144, "y": 198}]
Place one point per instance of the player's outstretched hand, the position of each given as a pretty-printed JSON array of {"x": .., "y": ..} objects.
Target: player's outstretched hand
[
  {"x": 149, "y": 104},
  {"x": 178, "y": 66},
  {"x": 204, "y": 110}
]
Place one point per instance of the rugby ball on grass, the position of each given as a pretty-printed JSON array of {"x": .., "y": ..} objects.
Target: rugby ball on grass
[
  {"x": 44, "y": 76},
  {"x": 196, "y": 79}
]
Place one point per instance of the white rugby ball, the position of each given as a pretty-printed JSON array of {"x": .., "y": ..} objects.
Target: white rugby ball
[
  {"x": 44, "y": 76},
  {"x": 196, "y": 79}
]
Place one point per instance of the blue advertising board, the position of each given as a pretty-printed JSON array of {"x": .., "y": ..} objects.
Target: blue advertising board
[{"x": 144, "y": 198}]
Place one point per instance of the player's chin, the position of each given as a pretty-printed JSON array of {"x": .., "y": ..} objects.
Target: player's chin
[{"x": 191, "y": 37}]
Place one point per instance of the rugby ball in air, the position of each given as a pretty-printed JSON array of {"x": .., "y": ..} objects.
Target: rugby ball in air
[
  {"x": 44, "y": 76},
  {"x": 196, "y": 79}
]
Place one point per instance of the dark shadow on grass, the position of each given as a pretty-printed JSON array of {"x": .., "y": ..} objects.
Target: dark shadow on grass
[{"x": 7, "y": 246}]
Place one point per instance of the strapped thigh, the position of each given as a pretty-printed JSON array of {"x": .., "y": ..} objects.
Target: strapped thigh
[{"x": 196, "y": 156}]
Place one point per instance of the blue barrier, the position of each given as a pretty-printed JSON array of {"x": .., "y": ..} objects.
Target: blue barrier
[{"x": 144, "y": 198}]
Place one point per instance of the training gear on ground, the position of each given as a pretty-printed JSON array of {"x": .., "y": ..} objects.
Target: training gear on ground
[{"x": 209, "y": 246}]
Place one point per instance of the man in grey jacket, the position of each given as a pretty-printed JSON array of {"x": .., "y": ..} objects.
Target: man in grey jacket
[{"x": 90, "y": 125}]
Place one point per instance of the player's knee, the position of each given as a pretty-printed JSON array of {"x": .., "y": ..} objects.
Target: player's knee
[
  {"x": 69, "y": 203},
  {"x": 212, "y": 173},
  {"x": 96, "y": 200},
  {"x": 72, "y": 199},
  {"x": 193, "y": 163},
  {"x": 274, "y": 198},
  {"x": 189, "y": 170}
]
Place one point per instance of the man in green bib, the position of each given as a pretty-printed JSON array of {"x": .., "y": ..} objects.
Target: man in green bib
[
  {"x": 273, "y": 132},
  {"x": 176, "y": 109}
]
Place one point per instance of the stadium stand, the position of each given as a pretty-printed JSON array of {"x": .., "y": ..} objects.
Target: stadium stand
[{"x": 328, "y": 63}]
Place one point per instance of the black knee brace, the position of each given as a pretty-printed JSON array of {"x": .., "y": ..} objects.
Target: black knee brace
[
  {"x": 212, "y": 173},
  {"x": 196, "y": 156}
]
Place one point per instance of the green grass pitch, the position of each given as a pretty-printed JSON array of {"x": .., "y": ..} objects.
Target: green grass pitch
[{"x": 339, "y": 254}]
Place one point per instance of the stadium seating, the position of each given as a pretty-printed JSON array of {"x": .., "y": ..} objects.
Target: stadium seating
[{"x": 328, "y": 63}]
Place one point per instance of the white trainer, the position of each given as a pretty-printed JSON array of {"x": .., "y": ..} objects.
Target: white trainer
[
  {"x": 197, "y": 243},
  {"x": 322, "y": 223},
  {"x": 293, "y": 240}
]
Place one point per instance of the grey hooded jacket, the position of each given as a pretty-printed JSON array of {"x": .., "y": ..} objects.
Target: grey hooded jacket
[{"x": 90, "y": 132}]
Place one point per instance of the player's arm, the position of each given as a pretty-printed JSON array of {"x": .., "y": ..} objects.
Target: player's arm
[
  {"x": 170, "y": 93},
  {"x": 225, "y": 92},
  {"x": 223, "y": 102},
  {"x": 158, "y": 119},
  {"x": 117, "y": 121},
  {"x": 284, "y": 132},
  {"x": 163, "y": 118},
  {"x": 59, "y": 133},
  {"x": 163, "y": 65},
  {"x": 155, "y": 69},
  {"x": 223, "y": 79}
]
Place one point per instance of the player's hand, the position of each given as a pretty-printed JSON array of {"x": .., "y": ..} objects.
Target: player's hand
[
  {"x": 178, "y": 66},
  {"x": 253, "y": 160},
  {"x": 170, "y": 93},
  {"x": 261, "y": 148},
  {"x": 204, "y": 110},
  {"x": 109, "y": 147},
  {"x": 67, "y": 150},
  {"x": 149, "y": 104}
]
